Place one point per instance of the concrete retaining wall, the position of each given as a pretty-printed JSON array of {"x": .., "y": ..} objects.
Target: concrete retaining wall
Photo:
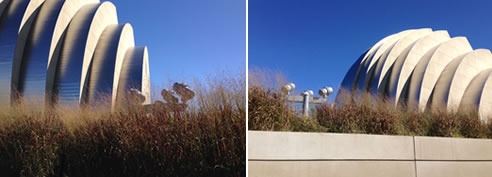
[{"x": 353, "y": 155}]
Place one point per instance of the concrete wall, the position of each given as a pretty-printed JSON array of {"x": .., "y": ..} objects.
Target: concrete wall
[{"x": 345, "y": 155}]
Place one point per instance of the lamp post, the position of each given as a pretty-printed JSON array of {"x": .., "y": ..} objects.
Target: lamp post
[{"x": 306, "y": 97}]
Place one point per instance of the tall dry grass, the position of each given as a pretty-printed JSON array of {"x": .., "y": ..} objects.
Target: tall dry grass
[
  {"x": 269, "y": 110},
  {"x": 265, "y": 78},
  {"x": 209, "y": 139}
]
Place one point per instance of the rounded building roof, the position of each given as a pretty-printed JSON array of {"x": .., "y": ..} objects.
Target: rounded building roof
[
  {"x": 49, "y": 47},
  {"x": 425, "y": 70}
]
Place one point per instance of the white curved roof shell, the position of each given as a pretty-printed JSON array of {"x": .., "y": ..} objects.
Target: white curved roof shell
[
  {"x": 55, "y": 42},
  {"x": 425, "y": 70}
]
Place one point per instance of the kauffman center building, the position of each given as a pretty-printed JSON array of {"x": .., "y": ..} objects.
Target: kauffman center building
[
  {"x": 68, "y": 52},
  {"x": 424, "y": 70}
]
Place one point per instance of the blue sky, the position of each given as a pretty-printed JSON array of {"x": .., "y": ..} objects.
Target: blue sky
[
  {"x": 314, "y": 42},
  {"x": 188, "y": 39}
]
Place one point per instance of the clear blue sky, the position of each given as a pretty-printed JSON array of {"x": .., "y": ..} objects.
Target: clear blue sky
[
  {"x": 314, "y": 42},
  {"x": 188, "y": 38}
]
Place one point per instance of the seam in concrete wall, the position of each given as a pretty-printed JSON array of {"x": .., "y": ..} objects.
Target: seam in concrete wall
[{"x": 414, "y": 156}]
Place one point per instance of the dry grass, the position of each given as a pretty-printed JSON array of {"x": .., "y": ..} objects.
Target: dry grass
[
  {"x": 207, "y": 140},
  {"x": 268, "y": 110},
  {"x": 261, "y": 77}
]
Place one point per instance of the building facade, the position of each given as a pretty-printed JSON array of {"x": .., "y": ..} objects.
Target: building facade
[
  {"x": 68, "y": 52},
  {"x": 425, "y": 70}
]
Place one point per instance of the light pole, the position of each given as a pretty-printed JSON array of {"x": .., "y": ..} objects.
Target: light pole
[{"x": 306, "y": 97}]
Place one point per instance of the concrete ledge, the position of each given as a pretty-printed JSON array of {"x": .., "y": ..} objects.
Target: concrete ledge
[
  {"x": 331, "y": 168},
  {"x": 295, "y": 145},
  {"x": 330, "y": 154},
  {"x": 454, "y": 169},
  {"x": 435, "y": 148}
]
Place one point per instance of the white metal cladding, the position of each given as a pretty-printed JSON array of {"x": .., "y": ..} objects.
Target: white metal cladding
[
  {"x": 425, "y": 70},
  {"x": 47, "y": 49}
]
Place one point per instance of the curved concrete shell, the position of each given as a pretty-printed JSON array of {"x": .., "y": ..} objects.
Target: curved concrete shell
[
  {"x": 387, "y": 44},
  {"x": 372, "y": 58},
  {"x": 30, "y": 66},
  {"x": 373, "y": 71},
  {"x": 78, "y": 49},
  {"x": 452, "y": 83},
  {"x": 390, "y": 55},
  {"x": 403, "y": 45},
  {"x": 406, "y": 63},
  {"x": 47, "y": 48},
  {"x": 348, "y": 83},
  {"x": 11, "y": 20},
  {"x": 380, "y": 53},
  {"x": 474, "y": 95},
  {"x": 108, "y": 59},
  {"x": 134, "y": 74},
  {"x": 421, "y": 69},
  {"x": 3, "y": 5},
  {"x": 430, "y": 67},
  {"x": 31, "y": 9},
  {"x": 485, "y": 104},
  {"x": 366, "y": 61},
  {"x": 29, "y": 73},
  {"x": 67, "y": 12}
]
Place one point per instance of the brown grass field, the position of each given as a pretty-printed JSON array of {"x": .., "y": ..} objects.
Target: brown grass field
[{"x": 208, "y": 139}]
